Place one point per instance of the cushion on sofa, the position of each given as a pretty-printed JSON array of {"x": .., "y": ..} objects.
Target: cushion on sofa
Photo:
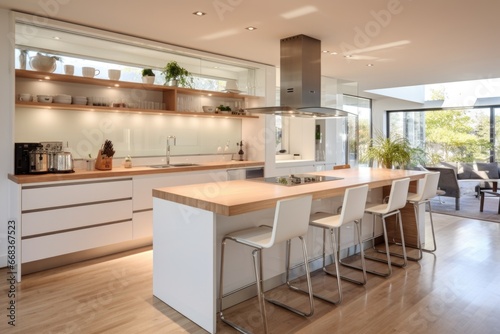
[
  {"x": 465, "y": 171},
  {"x": 487, "y": 170}
]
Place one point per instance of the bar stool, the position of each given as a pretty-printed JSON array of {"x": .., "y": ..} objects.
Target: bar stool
[
  {"x": 397, "y": 200},
  {"x": 291, "y": 220},
  {"x": 428, "y": 191},
  {"x": 353, "y": 208}
]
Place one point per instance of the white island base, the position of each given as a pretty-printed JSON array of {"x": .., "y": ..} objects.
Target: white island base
[{"x": 189, "y": 223}]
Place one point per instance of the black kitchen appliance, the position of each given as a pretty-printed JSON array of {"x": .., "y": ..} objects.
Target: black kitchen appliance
[{"x": 22, "y": 157}]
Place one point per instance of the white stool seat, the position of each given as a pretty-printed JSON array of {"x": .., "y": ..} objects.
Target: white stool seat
[
  {"x": 259, "y": 237},
  {"x": 380, "y": 209},
  {"x": 325, "y": 220}
]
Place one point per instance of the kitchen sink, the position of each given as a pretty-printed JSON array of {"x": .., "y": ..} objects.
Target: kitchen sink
[{"x": 186, "y": 164}]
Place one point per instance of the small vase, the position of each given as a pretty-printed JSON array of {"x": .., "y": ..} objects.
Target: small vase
[{"x": 22, "y": 60}]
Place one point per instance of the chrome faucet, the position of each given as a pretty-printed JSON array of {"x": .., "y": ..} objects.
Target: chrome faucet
[{"x": 168, "y": 148}]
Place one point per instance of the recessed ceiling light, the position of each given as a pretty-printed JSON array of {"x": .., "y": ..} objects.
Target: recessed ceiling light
[
  {"x": 348, "y": 56},
  {"x": 334, "y": 53},
  {"x": 57, "y": 37},
  {"x": 199, "y": 13},
  {"x": 251, "y": 28},
  {"x": 325, "y": 51},
  {"x": 369, "y": 65}
]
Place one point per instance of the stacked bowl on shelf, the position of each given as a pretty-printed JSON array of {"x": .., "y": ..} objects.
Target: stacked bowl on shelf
[
  {"x": 62, "y": 98},
  {"x": 81, "y": 100},
  {"x": 44, "y": 98}
]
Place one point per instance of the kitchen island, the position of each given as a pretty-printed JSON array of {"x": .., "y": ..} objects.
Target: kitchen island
[{"x": 189, "y": 222}]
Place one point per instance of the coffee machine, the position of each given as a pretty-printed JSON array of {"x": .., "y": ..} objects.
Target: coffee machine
[{"x": 22, "y": 153}]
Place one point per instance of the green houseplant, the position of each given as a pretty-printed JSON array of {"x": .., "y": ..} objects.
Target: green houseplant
[
  {"x": 176, "y": 75},
  {"x": 148, "y": 76},
  {"x": 392, "y": 152}
]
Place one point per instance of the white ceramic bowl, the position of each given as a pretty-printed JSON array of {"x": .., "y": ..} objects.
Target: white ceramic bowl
[
  {"x": 44, "y": 98},
  {"x": 81, "y": 100},
  {"x": 208, "y": 108}
]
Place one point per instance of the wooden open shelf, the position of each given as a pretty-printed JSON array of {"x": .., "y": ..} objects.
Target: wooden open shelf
[
  {"x": 62, "y": 106},
  {"x": 123, "y": 84},
  {"x": 169, "y": 95}
]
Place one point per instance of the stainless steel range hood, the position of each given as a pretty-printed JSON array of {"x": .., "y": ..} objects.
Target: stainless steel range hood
[{"x": 300, "y": 93}]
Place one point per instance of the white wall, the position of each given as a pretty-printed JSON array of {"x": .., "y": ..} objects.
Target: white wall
[{"x": 6, "y": 126}]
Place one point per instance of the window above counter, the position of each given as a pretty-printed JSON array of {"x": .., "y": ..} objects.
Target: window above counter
[{"x": 87, "y": 47}]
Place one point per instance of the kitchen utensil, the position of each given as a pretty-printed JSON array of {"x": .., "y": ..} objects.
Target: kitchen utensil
[
  {"x": 208, "y": 108},
  {"x": 69, "y": 69},
  {"x": 61, "y": 98},
  {"x": 114, "y": 74},
  {"x": 43, "y": 63},
  {"x": 25, "y": 97},
  {"x": 44, "y": 98},
  {"x": 81, "y": 100},
  {"x": 107, "y": 149},
  {"x": 38, "y": 161},
  {"x": 63, "y": 162},
  {"x": 90, "y": 72}
]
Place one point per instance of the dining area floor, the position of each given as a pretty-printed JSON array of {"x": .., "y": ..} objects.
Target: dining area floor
[{"x": 454, "y": 290}]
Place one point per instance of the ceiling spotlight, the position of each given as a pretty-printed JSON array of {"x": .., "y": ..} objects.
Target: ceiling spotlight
[
  {"x": 325, "y": 51},
  {"x": 250, "y": 28},
  {"x": 348, "y": 56},
  {"x": 198, "y": 13},
  {"x": 334, "y": 53},
  {"x": 369, "y": 65}
]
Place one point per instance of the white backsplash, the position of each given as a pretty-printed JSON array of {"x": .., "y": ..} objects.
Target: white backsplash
[{"x": 137, "y": 135}]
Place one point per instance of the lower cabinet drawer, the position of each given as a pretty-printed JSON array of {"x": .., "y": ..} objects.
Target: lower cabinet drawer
[
  {"x": 48, "y": 221},
  {"x": 43, "y": 247},
  {"x": 143, "y": 224}
]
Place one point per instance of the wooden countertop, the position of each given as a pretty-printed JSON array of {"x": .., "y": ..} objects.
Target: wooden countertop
[
  {"x": 236, "y": 197},
  {"x": 121, "y": 172}
]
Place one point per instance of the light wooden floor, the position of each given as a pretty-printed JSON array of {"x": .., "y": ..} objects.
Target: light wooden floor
[{"x": 457, "y": 290}]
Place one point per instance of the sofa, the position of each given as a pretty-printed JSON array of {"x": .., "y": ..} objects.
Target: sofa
[{"x": 453, "y": 173}]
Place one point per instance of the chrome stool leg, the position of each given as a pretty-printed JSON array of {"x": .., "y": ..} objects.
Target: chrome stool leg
[{"x": 309, "y": 290}]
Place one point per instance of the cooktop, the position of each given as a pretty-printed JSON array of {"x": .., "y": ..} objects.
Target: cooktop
[{"x": 298, "y": 179}]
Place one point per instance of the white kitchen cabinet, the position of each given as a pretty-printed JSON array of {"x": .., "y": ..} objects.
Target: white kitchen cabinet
[
  {"x": 49, "y": 221},
  {"x": 56, "y": 194},
  {"x": 73, "y": 241},
  {"x": 143, "y": 194},
  {"x": 142, "y": 224},
  {"x": 66, "y": 217}
]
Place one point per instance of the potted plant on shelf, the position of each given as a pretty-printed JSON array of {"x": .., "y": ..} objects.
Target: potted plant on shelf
[
  {"x": 392, "y": 152},
  {"x": 176, "y": 75},
  {"x": 148, "y": 76}
]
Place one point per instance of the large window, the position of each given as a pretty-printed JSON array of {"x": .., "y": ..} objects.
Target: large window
[
  {"x": 359, "y": 128},
  {"x": 464, "y": 135}
]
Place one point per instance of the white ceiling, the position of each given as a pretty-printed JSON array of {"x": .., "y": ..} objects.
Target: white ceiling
[{"x": 409, "y": 42}]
